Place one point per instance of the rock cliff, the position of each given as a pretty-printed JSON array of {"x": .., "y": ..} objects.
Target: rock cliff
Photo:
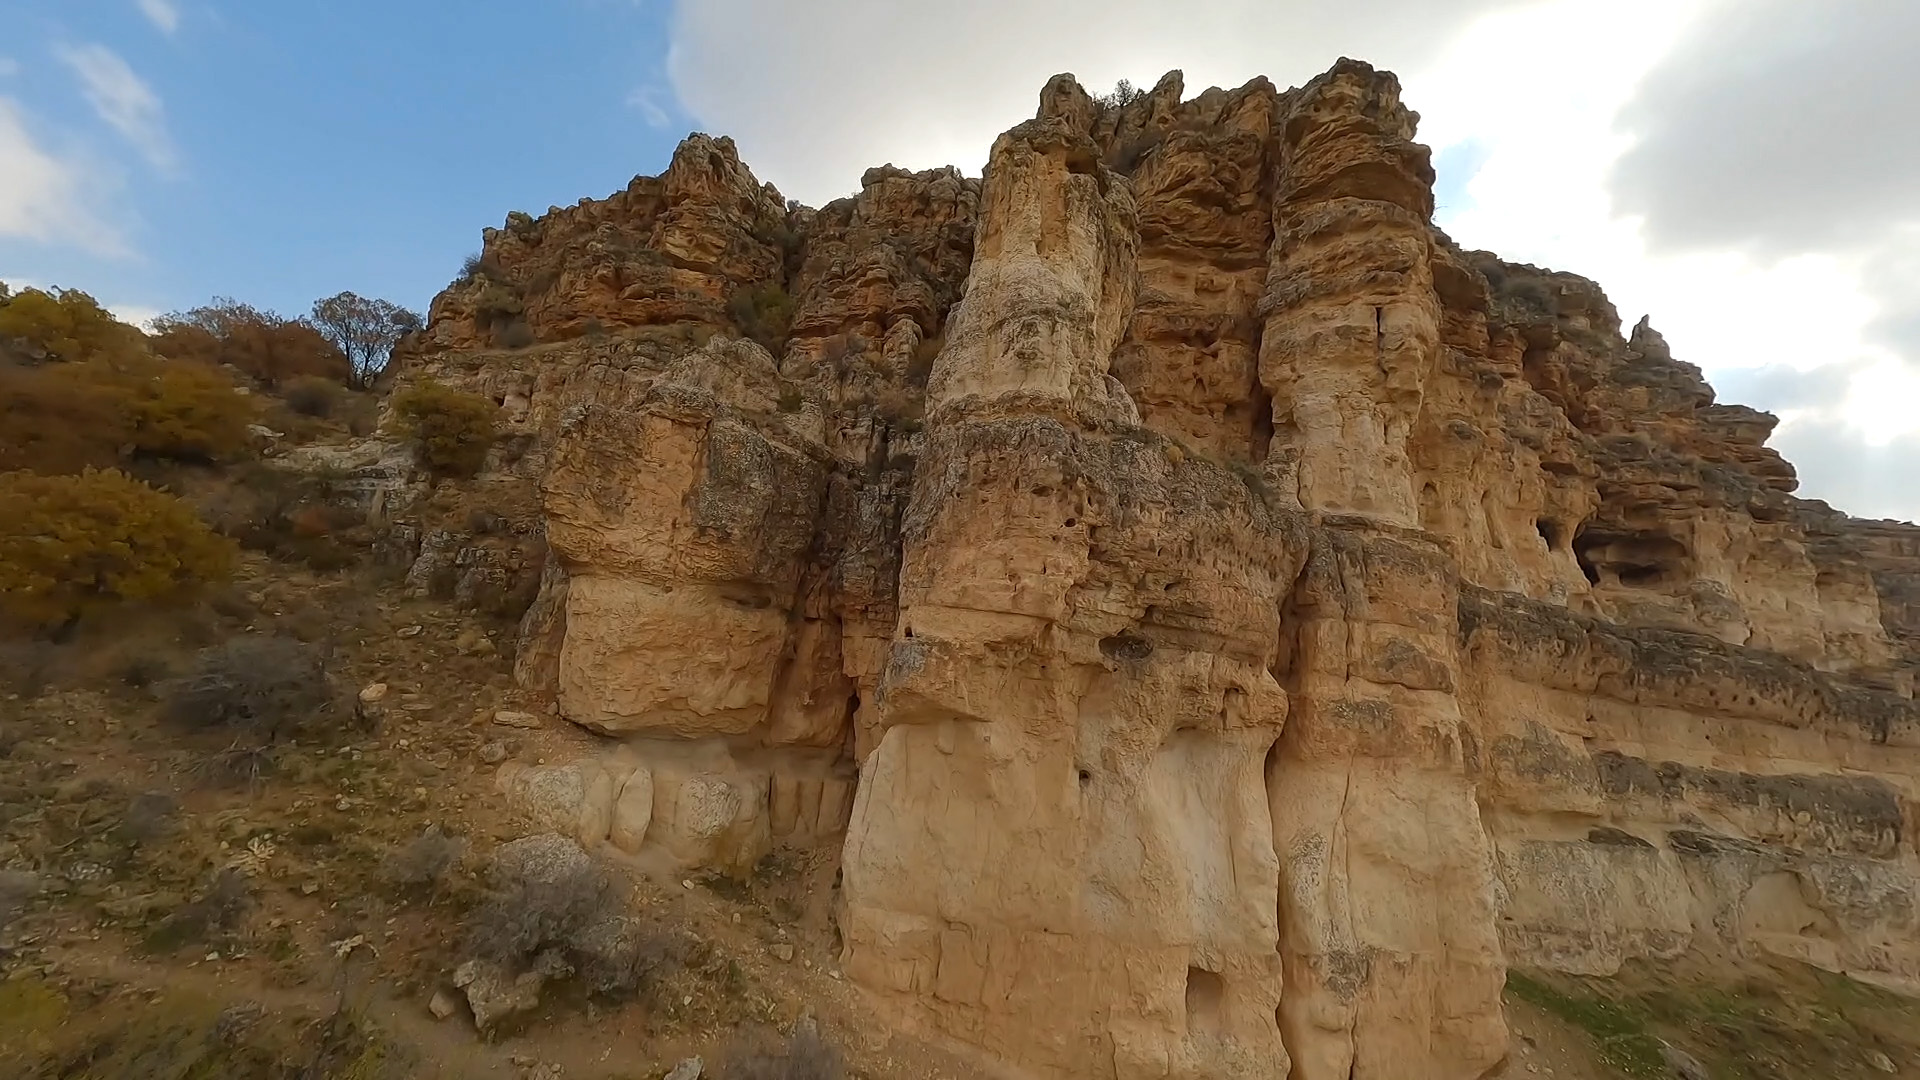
[{"x": 1220, "y": 622}]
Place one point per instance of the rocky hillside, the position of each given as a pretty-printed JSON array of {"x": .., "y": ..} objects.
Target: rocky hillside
[{"x": 1206, "y": 623}]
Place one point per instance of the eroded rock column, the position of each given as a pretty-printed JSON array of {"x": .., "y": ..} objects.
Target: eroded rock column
[
  {"x": 1387, "y": 905},
  {"x": 1061, "y": 848},
  {"x": 1352, "y": 325}
]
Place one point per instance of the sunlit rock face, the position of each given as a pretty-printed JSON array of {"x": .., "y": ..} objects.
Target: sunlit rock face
[{"x": 1220, "y": 623}]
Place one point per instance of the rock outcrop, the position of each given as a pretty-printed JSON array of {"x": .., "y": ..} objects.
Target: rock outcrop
[{"x": 1221, "y": 622}]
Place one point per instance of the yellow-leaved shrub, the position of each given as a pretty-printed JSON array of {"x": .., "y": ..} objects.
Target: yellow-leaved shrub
[
  {"x": 452, "y": 429},
  {"x": 73, "y": 545}
]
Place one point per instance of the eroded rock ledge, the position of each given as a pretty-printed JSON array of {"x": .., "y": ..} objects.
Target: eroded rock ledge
[{"x": 1222, "y": 622}]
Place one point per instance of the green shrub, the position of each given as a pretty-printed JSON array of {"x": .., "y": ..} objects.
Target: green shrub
[
  {"x": 66, "y": 324},
  {"x": 262, "y": 345},
  {"x": 66, "y": 417},
  {"x": 312, "y": 396},
  {"x": 59, "y": 419},
  {"x": 452, "y": 429},
  {"x": 184, "y": 413},
  {"x": 763, "y": 312},
  {"x": 73, "y": 545},
  {"x": 497, "y": 303},
  {"x": 514, "y": 334}
]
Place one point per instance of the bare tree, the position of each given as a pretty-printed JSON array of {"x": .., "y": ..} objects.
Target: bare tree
[{"x": 365, "y": 329}]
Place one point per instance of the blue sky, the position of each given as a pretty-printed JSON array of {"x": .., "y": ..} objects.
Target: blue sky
[{"x": 289, "y": 150}]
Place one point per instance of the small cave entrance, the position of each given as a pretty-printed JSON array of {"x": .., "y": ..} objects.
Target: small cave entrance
[
  {"x": 1126, "y": 645},
  {"x": 1261, "y": 437},
  {"x": 1632, "y": 559},
  {"x": 1550, "y": 531},
  {"x": 1206, "y": 1000}
]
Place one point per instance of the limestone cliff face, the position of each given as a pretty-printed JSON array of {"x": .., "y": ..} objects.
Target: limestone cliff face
[{"x": 1220, "y": 622}]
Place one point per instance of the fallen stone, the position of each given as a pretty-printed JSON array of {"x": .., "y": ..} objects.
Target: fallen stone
[
  {"x": 541, "y": 859},
  {"x": 688, "y": 1069},
  {"x": 496, "y": 996},
  {"x": 513, "y": 719},
  {"x": 372, "y": 692},
  {"x": 442, "y": 1005},
  {"x": 782, "y": 952},
  {"x": 494, "y": 753},
  {"x": 1881, "y": 1061},
  {"x": 633, "y": 812}
]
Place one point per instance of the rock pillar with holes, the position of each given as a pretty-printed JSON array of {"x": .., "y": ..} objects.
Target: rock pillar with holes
[{"x": 1061, "y": 847}]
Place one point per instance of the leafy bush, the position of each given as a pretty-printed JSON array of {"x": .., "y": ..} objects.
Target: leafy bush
[
  {"x": 310, "y": 395},
  {"x": 763, "y": 312},
  {"x": 481, "y": 267},
  {"x": 70, "y": 416},
  {"x": 452, "y": 429},
  {"x": 515, "y": 334},
  {"x": 183, "y": 413},
  {"x": 59, "y": 419},
  {"x": 498, "y": 302},
  {"x": 291, "y": 516},
  {"x": 259, "y": 688},
  {"x": 262, "y": 345},
  {"x": 72, "y": 545},
  {"x": 66, "y": 324}
]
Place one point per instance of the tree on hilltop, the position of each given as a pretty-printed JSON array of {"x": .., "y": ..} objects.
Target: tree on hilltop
[{"x": 365, "y": 329}]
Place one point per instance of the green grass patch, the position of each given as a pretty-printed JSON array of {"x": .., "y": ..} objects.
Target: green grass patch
[{"x": 1618, "y": 1029}]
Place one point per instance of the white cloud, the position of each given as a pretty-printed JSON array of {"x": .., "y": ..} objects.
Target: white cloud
[
  {"x": 44, "y": 196},
  {"x": 647, "y": 99},
  {"x": 1533, "y": 99},
  {"x": 813, "y": 99},
  {"x": 139, "y": 315},
  {"x": 123, "y": 100},
  {"x": 1540, "y": 94},
  {"x": 162, "y": 14}
]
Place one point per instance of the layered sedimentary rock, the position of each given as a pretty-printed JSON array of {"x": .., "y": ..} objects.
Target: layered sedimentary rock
[{"x": 1221, "y": 622}]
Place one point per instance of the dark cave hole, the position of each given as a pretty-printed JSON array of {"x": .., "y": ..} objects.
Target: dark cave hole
[
  {"x": 1126, "y": 646},
  {"x": 1206, "y": 993}
]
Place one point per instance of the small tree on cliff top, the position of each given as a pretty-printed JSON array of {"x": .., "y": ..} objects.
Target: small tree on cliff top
[{"x": 365, "y": 329}]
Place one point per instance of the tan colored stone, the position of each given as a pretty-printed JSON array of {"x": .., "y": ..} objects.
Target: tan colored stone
[{"x": 1255, "y": 621}]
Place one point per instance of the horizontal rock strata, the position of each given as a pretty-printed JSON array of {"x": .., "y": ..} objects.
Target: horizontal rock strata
[{"x": 1221, "y": 622}]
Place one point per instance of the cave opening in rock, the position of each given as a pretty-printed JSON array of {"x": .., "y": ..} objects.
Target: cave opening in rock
[
  {"x": 1206, "y": 998},
  {"x": 1126, "y": 646},
  {"x": 1262, "y": 435},
  {"x": 1635, "y": 559},
  {"x": 1549, "y": 531}
]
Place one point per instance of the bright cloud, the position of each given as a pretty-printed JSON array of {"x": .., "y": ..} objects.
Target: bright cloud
[
  {"x": 123, "y": 100},
  {"x": 162, "y": 14},
  {"x": 43, "y": 195},
  {"x": 814, "y": 100},
  {"x": 1640, "y": 146}
]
